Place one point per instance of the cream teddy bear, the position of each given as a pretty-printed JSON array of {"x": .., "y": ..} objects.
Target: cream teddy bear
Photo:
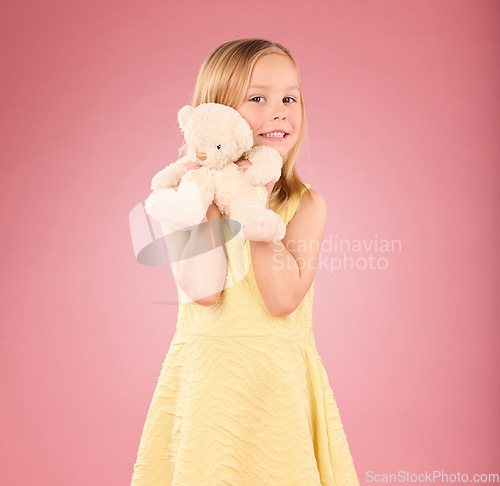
[{"x": 217, "y": 136}]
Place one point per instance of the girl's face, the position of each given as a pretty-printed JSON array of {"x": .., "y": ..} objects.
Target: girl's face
[{"x": 273, "y": 104}]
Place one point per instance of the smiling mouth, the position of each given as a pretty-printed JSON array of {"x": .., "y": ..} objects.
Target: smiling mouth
[{"x": 278, "y": 136}]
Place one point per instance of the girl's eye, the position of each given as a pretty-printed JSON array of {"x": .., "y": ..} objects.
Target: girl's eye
[{"x": 285, "y": 98}]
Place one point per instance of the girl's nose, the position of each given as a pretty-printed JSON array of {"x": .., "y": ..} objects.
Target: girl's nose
[{"x": 279, "y": 112}]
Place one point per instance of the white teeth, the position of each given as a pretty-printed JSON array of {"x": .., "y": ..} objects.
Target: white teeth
[{"x": 274, "y": 134}]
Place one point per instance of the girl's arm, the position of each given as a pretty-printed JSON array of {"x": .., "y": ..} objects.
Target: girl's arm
[
  {"x": 198, "y": 256},
  {"x": 285, "y": 270}
]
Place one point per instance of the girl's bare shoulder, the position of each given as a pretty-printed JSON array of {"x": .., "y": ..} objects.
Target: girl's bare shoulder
[
  {"x": 312, "y": 213},
  {"x": 313, "y": 201}
]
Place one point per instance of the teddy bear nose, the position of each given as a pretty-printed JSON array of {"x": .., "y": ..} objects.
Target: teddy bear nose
[{"x": 194, "y": 151}]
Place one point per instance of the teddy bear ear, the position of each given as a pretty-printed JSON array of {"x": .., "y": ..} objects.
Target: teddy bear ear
[{"x": 184, "y": 115}]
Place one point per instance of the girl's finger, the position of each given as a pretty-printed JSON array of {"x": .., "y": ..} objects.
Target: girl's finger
[{"x": 191, "y": 166}]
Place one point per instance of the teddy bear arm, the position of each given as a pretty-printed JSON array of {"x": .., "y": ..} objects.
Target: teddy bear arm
[
  {"x": 263, "y": 170},
  {"x": 170, "y": 176}
]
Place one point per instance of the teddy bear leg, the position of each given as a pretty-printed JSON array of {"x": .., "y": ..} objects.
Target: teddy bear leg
[
  {"x": 259, "y": 224},
  {"x": 185, "y": 207},
  {"x": 168, "y": 206}
]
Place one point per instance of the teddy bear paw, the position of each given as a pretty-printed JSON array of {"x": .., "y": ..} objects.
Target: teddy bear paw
[
  {"x": 260, "y": 224},
  {"x": 164, "y": 179}
]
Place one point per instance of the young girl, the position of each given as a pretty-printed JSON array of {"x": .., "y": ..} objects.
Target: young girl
[{"x": 243, "y": 398}]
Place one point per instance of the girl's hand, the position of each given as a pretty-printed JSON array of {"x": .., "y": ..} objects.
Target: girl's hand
[
  {"x": 191, "y": 166},
  {"x": 244, "y": 165},
  {"x": 213, "y": 210}
]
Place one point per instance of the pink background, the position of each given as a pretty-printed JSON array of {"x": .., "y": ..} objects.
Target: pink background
[{"x": 403, "y": 111}]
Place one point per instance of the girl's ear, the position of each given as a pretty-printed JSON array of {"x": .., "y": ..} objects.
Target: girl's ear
[{"x": 184, "y": 115}]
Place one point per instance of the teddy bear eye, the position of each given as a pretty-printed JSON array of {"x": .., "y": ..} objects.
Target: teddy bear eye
[{"x": 218, "y": 147}]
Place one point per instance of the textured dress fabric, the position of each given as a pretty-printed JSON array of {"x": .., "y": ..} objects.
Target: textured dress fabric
[{"x": 243, "y": 398}]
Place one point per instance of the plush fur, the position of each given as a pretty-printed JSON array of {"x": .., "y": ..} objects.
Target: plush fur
[{"x": 217, "y": 135}]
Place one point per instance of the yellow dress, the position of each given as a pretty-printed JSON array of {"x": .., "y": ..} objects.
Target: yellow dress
[{"x": 243, "y": 398}]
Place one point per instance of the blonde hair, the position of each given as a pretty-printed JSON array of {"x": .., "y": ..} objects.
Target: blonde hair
[{"x": 224, "y": 78}]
